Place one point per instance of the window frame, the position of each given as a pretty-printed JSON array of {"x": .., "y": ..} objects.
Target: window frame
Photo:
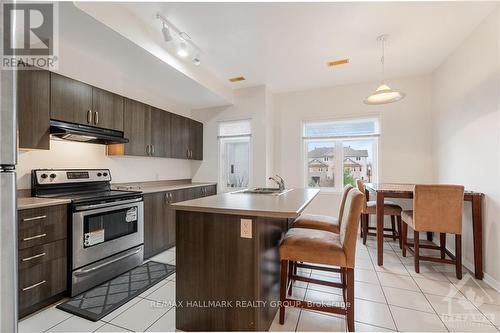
[
  {"x": 339, "y": 151},
  {"x": 220, "y": 157}
]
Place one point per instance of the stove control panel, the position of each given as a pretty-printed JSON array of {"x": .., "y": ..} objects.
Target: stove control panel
[{"x": 68, "y": 176}]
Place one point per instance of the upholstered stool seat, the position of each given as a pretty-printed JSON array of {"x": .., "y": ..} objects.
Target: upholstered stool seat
[
  {"x": 309, "y": 245},
  {"x": 323, "y": 222},
  {"x": 318, "y": 222},
  {"x": 390, "y": 208}
]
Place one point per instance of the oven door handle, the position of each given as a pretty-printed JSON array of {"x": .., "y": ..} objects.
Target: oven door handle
[
  {"x": 107, "y": 204},
  {"x": 90, "y": 270}
]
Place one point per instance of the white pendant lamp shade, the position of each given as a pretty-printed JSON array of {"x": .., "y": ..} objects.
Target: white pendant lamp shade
[{"x": 383, "y": 94}]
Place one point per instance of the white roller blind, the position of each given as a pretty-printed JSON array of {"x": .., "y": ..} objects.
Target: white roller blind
[
  {"x": 235, "y": 128},
  {"x": 341, "y": 128}
]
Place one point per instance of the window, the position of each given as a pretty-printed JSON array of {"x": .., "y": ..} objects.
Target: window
[
  {"x": 339, "y": 152},
  {"x": 234, "y": 150}
]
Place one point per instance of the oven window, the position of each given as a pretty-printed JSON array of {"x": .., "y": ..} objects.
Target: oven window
[{"x": 103, "y": 227}]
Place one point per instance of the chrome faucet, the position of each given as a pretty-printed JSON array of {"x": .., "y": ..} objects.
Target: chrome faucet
[{"x": 278, "y": 180}]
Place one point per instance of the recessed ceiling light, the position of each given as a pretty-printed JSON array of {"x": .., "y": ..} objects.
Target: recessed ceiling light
[
  {"x": 237, "y": 79},
  {"x": 337, "y": 62}
]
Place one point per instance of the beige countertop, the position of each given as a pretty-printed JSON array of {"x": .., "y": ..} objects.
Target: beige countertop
[
  {"x": 158, "y": 186},
  {"x": 288, "y": 205},
  {"x": 32, "y": 202}
]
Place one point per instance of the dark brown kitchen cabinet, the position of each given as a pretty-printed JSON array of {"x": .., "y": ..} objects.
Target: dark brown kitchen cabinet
[
  {"x": 159, "y": 217},
  {"x": 136, "y": 118},
  {"x": 33, "y": 108},
  {"x": 107, "y": 109},
  {"x": 42, "y": 257},
  {"x": 196, "y": 140},
  {"x": 160, "y": 132},
  {"x": 179, "y": 141},
  {"x": 70, "y": 100}
]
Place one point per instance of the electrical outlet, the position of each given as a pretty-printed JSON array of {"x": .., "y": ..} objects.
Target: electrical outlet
[{"x": 246, "y": 228}]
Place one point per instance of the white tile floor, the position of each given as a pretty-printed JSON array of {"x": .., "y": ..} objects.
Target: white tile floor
[{"x": 388, "y": 298}]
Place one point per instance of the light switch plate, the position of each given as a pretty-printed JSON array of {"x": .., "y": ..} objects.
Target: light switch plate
[{"x": 246, "y": 228}]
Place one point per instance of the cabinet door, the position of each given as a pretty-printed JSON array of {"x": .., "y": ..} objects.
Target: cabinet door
[
  {"x": 156, "y": 215},
  {"x": 160, "y": 132},
  {"x": 179, "y": 139},
  {"x": 70, "y": 100},
  {"x": 136, "y": 128},
  {"x": 107, "y": 109},
  {"x": 196, "y": 140},
  {"x": 33, "y": 108}
]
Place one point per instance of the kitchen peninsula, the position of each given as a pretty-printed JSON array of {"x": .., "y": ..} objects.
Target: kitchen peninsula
[{"x": 227, "y": 258}]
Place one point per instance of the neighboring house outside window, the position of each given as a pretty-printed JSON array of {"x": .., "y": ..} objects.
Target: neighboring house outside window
[{"x": 339, "y": 152}]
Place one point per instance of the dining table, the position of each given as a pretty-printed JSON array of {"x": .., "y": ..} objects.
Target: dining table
[{"x": 405, "y": 191}]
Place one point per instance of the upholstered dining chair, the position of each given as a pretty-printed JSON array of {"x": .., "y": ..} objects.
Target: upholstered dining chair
[
  {"x": 391, "y": 209},
  {"x": 326, "y": 249},
  {"x": 436, "y": 208},
  {"x": 323, "y": 222}
]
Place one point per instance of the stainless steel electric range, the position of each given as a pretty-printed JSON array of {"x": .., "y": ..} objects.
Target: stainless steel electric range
[{"x": 106, "y": 227}]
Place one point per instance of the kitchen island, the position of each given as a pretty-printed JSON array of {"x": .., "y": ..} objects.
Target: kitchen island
[{"x": 227, "y": 261}]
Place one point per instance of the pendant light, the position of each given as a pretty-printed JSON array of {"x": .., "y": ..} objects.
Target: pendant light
[{"x": 383, "y": 94}]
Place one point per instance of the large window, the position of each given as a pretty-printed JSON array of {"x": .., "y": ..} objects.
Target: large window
[
  {"x": 234, "y": 150},
  {"x": 339, "y": 152}
]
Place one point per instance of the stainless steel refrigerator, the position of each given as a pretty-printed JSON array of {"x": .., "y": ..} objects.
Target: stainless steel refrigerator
[{"x": 8, "y": 210}]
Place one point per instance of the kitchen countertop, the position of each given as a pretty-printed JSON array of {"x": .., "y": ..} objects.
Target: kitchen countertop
[
  {"x": 32, "y": 202},
  {"x": 287, "y": 205},
  {"x": 158, "y": 186}
]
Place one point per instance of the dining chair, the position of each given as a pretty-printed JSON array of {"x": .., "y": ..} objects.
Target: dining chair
[
  {"x": 326, "y": 249},
  {"x": 436, "y": 208},
  {"x": 391, "y": 209}
]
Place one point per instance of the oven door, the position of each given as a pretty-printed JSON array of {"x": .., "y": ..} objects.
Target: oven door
[{"x": 101, "y": 232}]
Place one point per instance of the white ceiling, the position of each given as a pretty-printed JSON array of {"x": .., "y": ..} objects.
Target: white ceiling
[{"x": 286, "y": 45}]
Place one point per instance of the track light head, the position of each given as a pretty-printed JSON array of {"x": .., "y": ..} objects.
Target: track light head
[
  {"x": 182, "y": 51},
  {"x": 167, "y": 36},
  {"x": 196, "y": 60}
]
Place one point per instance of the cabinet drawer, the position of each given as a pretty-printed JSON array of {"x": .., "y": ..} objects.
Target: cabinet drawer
[
  {"x": 41, "y": 254},
  {"x": 42, "y": 281},
  {"x": 41, "y": 225}
]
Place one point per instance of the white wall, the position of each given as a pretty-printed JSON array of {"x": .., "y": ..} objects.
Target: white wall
[
  {"x": 466, "y": 135},
  {"x": 404, "y": 145},
  {"x": 249, "y": 103}
]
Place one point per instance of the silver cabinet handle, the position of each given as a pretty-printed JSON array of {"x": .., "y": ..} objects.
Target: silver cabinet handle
[
  {"x": 96, "y": 117},
  {"x": 152, "y": 149},
  {"x": 147, "y": 150},
  {"x": 34, "y": 257},
  {"x": 89, "y": 116},
  {"x": 34, "y": 237},
  {"x": 34, "y": 285},
  {"x": 34, "y": 218}
]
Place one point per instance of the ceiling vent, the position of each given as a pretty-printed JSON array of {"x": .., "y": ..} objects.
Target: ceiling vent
[
  {"x": 237, "y": 79},
  {"x": 337, "y": 62}
]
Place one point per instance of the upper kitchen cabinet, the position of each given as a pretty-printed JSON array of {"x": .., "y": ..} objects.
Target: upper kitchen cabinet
[
  {"x": 107, "y": 109},
  {"x": 179, "y": 142},
  {"x": 70, "y": 100},
  {"x": 196, "y": 140},
  {"x": 136, "y": 123},
  {"x": 160, "y": 133},
  {"x": 33, "y": 105}
]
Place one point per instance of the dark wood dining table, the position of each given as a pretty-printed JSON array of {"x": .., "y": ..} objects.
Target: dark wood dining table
[{"x": 405, "y": 191}]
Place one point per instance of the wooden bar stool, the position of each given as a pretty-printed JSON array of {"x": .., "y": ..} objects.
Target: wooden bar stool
[
  {"x": 391, "y": 209},
  {"x": 436, "y": 208},
  {"x": 324, "y": 248},
  {"x": 323, "y": 222}
]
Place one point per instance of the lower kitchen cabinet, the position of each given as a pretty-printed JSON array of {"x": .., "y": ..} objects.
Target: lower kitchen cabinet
[
  {"x": 159, "y": 216},
  {"x": 42, "y": 257}
]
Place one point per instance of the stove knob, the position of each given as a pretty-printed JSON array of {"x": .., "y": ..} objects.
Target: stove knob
[
  {"x": 105, "y": 174},
  {"x": 43, "y": 175},
  {"x": 99, "y": 174},
  {"x": 52, "y": 175}
]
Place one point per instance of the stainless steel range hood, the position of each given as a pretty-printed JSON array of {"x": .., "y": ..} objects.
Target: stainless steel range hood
[{"x": 82, "y": 133}]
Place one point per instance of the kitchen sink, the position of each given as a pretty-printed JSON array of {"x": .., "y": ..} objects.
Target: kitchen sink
[{"x": 264, "y": 190}]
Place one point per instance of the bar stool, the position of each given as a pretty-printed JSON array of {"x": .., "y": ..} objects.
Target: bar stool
[
  {"x": 323, "y": 222},
  {"x": 391, "y": 209},
  {"x": 323, "y": 248},
  {"x": 436, "y": 208}
]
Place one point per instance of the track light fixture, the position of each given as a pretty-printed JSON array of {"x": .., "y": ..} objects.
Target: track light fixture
[{"x": 182, "y": 41}]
